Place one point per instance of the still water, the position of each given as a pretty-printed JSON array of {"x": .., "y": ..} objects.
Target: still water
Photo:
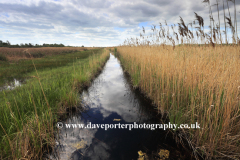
[
  {"x": 111, "y": 100},
  {"x": 11, "y": 85}
]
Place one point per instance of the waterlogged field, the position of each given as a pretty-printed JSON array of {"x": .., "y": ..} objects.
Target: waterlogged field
[
  {"x": 193, "y": 78},
  {"x": 28, "y": 113}
]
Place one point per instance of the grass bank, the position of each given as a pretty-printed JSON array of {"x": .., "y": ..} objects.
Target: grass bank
[
  {"x": 192, "y": 84},
  {"x": 28, "y": 113}
]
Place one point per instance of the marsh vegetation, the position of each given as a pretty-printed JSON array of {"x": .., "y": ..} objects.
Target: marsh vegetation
[{"x": 193, "y": 76}]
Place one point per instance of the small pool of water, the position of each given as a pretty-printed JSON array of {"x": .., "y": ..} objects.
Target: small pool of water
[
  {"x": 11, "y": 85},
  {"x": 111, "y": 100}
]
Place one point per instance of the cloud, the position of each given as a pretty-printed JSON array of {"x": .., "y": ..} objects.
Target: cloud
[{"x": 95, "y": 22}]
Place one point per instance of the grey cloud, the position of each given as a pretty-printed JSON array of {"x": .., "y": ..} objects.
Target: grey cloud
[
  {"x": 141, "y": 11},
  {"x": 42, "y": 8},
  {"x": 54, "y": 13},
  {"x": 159, "y": 3},
  {"x": 99, "y": 4},
  {"x": 25, "y": 25},
  {"x": 146, "y": 9}
]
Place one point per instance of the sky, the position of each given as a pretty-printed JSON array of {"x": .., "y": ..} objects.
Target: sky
[{"x": 97, "y": 22}]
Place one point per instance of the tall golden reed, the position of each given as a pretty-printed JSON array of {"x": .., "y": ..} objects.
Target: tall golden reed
[{"x": 193, "y": 84}]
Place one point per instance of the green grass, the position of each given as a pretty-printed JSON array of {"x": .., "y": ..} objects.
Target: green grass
[
  {"x": 28, "y": 112},
  {"x": 19, "y": 69}
]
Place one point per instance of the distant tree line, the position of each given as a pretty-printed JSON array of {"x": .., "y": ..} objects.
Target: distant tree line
[{"x": 28, "y": 45}]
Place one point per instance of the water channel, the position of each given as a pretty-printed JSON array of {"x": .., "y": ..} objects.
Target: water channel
[{"x": 111, "y": 100}]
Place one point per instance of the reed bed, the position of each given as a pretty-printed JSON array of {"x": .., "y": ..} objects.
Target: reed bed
[
  {"x": 194, "y": 77},
  {"x": 193, "y": 84},
  {"x": 29, "y": 112}
]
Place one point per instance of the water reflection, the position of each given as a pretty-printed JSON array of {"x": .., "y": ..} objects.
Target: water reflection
[{"x": 110, "y": 97}]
